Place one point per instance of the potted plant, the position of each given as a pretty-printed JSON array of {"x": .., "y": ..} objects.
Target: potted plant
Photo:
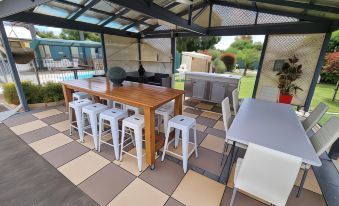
[{"x": 290, "y": 72}]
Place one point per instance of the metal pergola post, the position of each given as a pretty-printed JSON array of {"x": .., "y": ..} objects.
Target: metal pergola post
[
  {"x": 103, "y": 47},
  {"x": 173, "y": 47},
  {"x": 14, "y": 70},
  {"x": 262, "y": 56},
  {"x": 139, "y": 51},
  {"x": 317, "y": 72}
]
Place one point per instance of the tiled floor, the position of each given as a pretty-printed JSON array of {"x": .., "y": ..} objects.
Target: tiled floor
[{"x": 111, "y": 182}]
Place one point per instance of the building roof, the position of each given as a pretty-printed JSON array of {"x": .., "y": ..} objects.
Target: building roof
[{"x": 61, "y": 42}]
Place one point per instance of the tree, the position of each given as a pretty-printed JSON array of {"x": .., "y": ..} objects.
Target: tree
[
  {"x": 229, "y": 60},
  {"x": 75, "y": 35},
  {"x": 248, "y": 57},
  {"x": 196, "y": 43},
  {"x": 47, "y": 34},
  {"x": 333, "y": 44}
]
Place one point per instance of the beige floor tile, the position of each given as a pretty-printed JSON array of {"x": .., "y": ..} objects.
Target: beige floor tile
[
  {"x": 139, "y": 193},
  {"x": 213, "y": 143},
  {"x": 61, "y": 126},
  {"x": 190, "y": 115},
  {"x": 201, "y": 127},
  {"x": 130, "y": 163},
  {"x": 28, "y": 127},
  {"x": 83, "y": 167},
  {"x": 88, "y": 141},
  {"x": 211, "y": 115},
  {"x": 196, "y": 189},
  {"x": 47, "y": 113},
  {"x": 219, "y": 125},
  {"x": 311, "y": 182},
  {"x": 204, "y": 106},
  {"x": 178, "y": 150},
  {"x": 50, "y": 143}
]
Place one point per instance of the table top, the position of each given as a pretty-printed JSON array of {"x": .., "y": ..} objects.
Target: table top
[
  {"x": 272, "y": 125},
  {"x": 133, "y": 93}
]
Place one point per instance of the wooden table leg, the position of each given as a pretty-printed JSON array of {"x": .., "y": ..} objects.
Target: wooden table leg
[
  {"x": 67, "y": 94},
  {"x": 178, "y": 106},
  {"x": 149, "y": 136}
]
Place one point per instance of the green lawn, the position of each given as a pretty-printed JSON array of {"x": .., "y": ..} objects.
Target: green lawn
[{"x": 323, "y": 93}]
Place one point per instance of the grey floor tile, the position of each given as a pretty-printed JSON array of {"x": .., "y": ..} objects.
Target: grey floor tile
[
  {"x": 208, "y": 160},
  {"x": 173, "y": 202},
  {"x": 38, "y": 134},
  {"x": 200, "y": 136},
  {"x": 65, "y": 153},
  {"x": 19, "y": 119},
  {"x": 107, "y": 152},
  {"x": 193, "y": 111},
  {"x": 206, "y": 121},
  {"x": 216, "y": 132},
  {"x": 55, "y": 119},
  {"x": 306, "y": 198},
  {"x": 240, "y": 199},
  {"x": 166, "y": 176},
  {"x": 107, "y": 183}
]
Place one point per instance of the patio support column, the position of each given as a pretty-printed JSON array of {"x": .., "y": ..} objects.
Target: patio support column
[
  {"x": 317, "y": 72},
  {"x": 173, "y": 47},
  {"x": 139, "y": 51},
  {"x": 103, "y": 47},
  {"x": 14, "y": 71},
  {"x": 262, "y": 56},
  {"x": 82, "y": 38}
]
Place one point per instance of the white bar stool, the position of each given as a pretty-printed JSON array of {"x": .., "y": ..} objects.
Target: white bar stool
[
  {"x": 183, "y": 123},
  {"x": 137, "y": 123},
  {"x": 80, "y": 95},
  {"x": 164, "y": 113},
  {"x": 92, "y": 111},
  {"x": 77, "y": 107},
  {"x": 113, "y": 116},
  {"x": 127, "y": 107}
]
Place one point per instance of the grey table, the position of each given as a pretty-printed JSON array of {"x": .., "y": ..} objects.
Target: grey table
[{"x": 274, "y": 126}]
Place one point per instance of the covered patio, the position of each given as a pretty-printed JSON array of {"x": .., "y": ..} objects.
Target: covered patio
[{"x": 142, "y": 32}]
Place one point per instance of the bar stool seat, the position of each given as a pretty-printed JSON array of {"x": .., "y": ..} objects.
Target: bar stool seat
[
  {"x": 92, "y": 111},
  {"x": 113, "y": 116},
  {"x": 77, "y": 106},
  {"x": 184, "y": 124},
  {"x": 80, "y": 95},
  {"x": 136, "y": 123}
]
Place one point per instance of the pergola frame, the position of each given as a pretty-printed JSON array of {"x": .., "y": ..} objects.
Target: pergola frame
[{"x": 22, "y": 11}]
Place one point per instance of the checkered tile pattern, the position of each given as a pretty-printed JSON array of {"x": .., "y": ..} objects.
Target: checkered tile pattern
[{"x": 111, "y": 182}]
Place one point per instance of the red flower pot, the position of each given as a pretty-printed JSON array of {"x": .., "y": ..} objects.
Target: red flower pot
[{"x": 285, "y": 98}]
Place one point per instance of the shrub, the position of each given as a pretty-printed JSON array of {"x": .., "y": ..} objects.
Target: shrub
[
  {"x": 229, "y": 61},
  {"x": 34, "y": 93},
  {"x": 330, "y": 70}
]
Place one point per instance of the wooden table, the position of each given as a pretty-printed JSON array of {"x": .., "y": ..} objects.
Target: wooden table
[{"x": 144, "y": 96}]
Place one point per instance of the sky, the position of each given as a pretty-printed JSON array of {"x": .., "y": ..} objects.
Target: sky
[
  {"x": 226, "y": 41},
  {"x": 56, "y": 31}
]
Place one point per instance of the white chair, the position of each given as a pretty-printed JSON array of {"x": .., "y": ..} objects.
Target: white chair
[
  {"x": 77, "y": 107},
  {"x": 314, "y": 117},
  {"x": 92, "y": 112},
  {"x": 128, "y": 108},
  {"x": 321, "y": 141},
  {"x": 227, "y": 119},
  {"x": 80, "y": 95},
  {"x": 183, "y": 124},
  {"x": 267, "y": 174},
  {"x": 270, "y": 94},
  {"x": 235, "y": 100},
  {"x": 136, "y": 123},
  {"x": 113, "y": 116},
  {"x": 163, "y": 114}
]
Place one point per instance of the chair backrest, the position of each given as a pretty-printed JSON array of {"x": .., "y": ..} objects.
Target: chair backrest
[
  {"x": 235, "y": 98},
  {"x": 269, "y": 94},
  {"x": 226, "y": 113},
  {"x": 315, "y": 116},
  {"x": 326, "y": 136},
  {"x": 268, "y": 174}
]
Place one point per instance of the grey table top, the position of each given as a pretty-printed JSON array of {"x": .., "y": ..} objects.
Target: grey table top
[{"x": 274, "y": 126}]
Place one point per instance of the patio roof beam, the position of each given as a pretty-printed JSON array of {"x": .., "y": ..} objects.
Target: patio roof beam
[
  {"x": 272, "y": 11},
  {"x": 89, "y": 4},
  {"x": 295, "y": 4},
  {"x": 259, "y": 29},
  {"x": 197, "y": 15},
  {"x": 140, "y": 21},
  {"x": 12, "y": 7},
  {"x": 114, "y": 17},
  {"x": 160, "y": 13},
  {"x": 46, "y": 20}
]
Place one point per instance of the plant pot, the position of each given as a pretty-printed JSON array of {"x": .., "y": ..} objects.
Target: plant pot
[{"x": 285, "y": 98}]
